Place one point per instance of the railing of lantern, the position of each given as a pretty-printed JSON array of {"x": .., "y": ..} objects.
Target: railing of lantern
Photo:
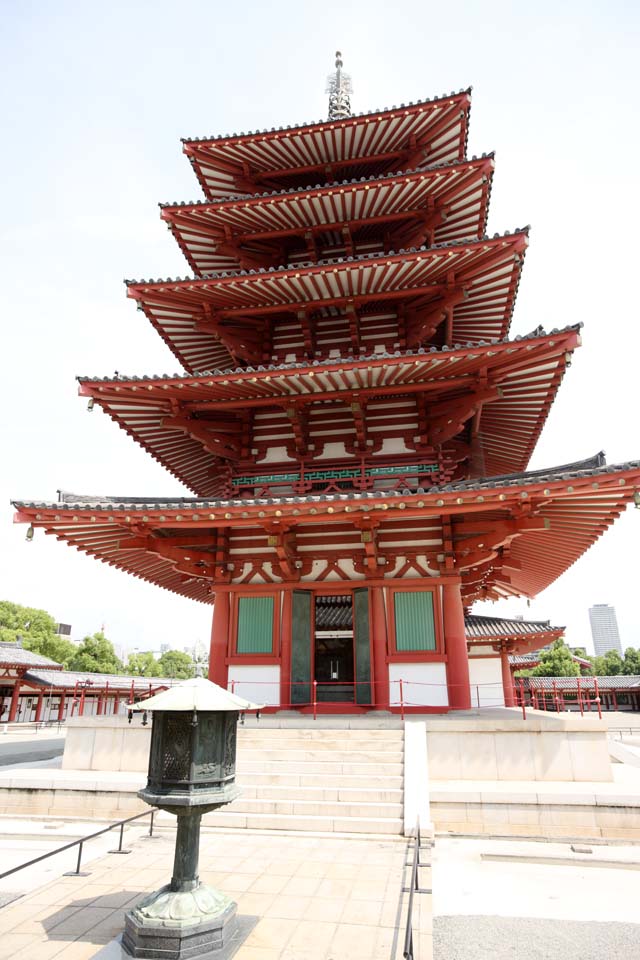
[{"x": 80, "y": 845}]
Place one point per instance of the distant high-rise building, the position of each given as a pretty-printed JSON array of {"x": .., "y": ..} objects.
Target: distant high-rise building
[{"x": 604, "y": 629}]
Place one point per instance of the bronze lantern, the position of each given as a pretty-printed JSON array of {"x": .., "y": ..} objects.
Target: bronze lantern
[{"x": 192, "y": 766}]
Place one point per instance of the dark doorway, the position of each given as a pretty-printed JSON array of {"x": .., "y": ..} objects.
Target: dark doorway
[{"x": 334, "y": 666}]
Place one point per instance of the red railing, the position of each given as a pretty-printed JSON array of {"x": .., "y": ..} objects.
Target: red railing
[{"x": 402, "y": 695}]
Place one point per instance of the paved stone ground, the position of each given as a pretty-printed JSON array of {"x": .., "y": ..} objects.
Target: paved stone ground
[
  {"x": 526, "y": 938},
  {"x": 582, "y": 910},
  {"x": 317, "y": 897}
]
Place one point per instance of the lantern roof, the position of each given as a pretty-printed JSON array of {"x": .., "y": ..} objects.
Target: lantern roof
[{"x": 196, "y": 694}]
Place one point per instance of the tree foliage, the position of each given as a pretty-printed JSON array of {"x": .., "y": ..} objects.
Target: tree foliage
[
  {"x": 556, "y": 662},
  {"x": 176, "y": 664},
  {"x": 143, "y": 665},
  {"x": 608, "y": 665},
  {"x": 37, "y": 631},
  {"x": 96, "y": 655}
]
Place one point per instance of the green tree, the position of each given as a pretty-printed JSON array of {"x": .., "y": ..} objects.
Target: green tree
[
  {"x": 176, "y": 664},
  {"x": 143, "y": 665},
  {"x": 17, "y": 621},
  {"x": 631, "y": 663},
  {"x": 37, "y": 631},
  {"x": 609, "y": 665},
  {"x": 556, "y": 662},
  {"x": 96, "y": 655}
]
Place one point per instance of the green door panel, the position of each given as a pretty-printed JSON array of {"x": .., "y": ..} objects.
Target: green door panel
[
  {"x": 301, "y": 647},
  {"x": 415, "y": 625},
  {"x": 362, "y": 647},
  {"x": 255, "y": 625}
]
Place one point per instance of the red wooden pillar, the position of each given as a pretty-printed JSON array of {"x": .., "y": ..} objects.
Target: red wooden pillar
[
  {"x": 13, "y": 709},
  {"x": 99, "y": 711},
  {"x": 285, "y": 648},
  {"x": 116, "y": 703},
  {"x": 39, "y": 707},
  {"x": 81, "y": 707},
  {"x": 61, "y": 707},
  {"x": 218, "y": 671},
  {"x": 456, "y": 647},
  {"x": 507, "y": 679},
  {"x": 380, "y": 665}
]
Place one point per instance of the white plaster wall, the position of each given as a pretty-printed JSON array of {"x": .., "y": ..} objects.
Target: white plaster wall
[
  {"x": 485, "y": 678},
  {"x": 423, "y": 684},
  {"x": 259, "y": 683}
]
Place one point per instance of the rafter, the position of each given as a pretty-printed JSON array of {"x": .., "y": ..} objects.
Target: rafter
[
  {"x": 446, "y": 420},
  {"x": 216, "y": 443},
  {"x": 297, "y": 416}
]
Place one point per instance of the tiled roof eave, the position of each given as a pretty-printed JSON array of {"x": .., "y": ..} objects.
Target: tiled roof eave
[
  {"x": 330, "y": 363},
  {"x": 586, "y": 469},
  {"x": 290, "y": 130},
  {"x": 295, "y": 192},
  {"x": 320, "y": 265}
]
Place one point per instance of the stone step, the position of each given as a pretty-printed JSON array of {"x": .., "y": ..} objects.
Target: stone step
[
  {"x": 274, "y": 821},
  {"x": 330, "y": 792},
  {"x": 320, "y": 733},
  {"x": 284, "y": 755},
  {"x": 288, "y": 779},
  {"x": 327, "y": 767},
  {"x": 319, "y": 745},
  {"x": 316, "y": 808}
]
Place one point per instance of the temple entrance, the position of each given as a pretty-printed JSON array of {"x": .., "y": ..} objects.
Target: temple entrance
[
  {"x": 330, "y": 644},
  {"x": 334, "y": 666}
]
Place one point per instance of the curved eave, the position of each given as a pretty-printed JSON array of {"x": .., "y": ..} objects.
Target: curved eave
[
  {"x": 488, "y": 269},
  {"x": 527, "y": 373},
  {"x": 456, "y": 196},
  {"x": 434, "y": 130},
  {"x": 577, "y": 506}
]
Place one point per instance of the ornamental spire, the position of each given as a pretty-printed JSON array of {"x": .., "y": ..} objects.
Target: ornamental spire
[{"x": 339, "y": 90}]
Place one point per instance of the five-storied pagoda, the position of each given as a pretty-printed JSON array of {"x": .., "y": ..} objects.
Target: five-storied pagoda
[{"x": 354, "y": 421}]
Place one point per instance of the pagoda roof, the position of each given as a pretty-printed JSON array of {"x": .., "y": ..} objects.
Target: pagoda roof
[
  {"x": 15, "y": 656},
  {"x": 58, "y": 678},
  {"x": 617, "y": 683},
  {"x": 554, "y": 516},
  {"x": 526, "y": 372},
  {"x": 429, "y": 131},
  {"x": 486, "y": 271},
  {"x": 479, "y": 627},
  {"x": 455, "y": 196}
]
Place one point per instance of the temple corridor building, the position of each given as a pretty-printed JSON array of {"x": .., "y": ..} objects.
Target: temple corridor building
[{"x": 353, "y": 418}]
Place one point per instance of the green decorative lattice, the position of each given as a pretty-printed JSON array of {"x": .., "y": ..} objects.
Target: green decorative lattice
[{"x": 348, "y": 473}]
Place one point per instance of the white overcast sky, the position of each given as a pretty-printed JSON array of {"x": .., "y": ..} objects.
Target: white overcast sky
[{"x": 95, "y": 97}]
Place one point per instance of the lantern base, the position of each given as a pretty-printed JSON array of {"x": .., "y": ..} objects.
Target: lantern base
[{"x": 178, "y": 925}]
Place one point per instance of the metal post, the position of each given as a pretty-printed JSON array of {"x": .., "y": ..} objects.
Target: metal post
[
  {"x": 120, "y": 850},
  {"x": 401, "y": 700},
  {"x": 595, "y": 682},
  {"x": 478, "y": 695},
  {"x": 524, "y": 709},
  {"x": 77, "y": 872},
  {"x": 315, "y": 699},
  {"x": 151, "y": 823}
]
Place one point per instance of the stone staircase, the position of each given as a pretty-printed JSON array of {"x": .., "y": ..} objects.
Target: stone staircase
[{"x": 323, "y": 780}]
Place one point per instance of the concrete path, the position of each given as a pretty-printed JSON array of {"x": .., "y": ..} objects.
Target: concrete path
[
  {"x": 14, "y": 751},
  {"x": 525, "y": 908},
  {"x": 316, "y": 897}
]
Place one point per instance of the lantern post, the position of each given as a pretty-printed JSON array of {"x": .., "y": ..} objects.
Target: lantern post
[{"x": 192, "y": 766}]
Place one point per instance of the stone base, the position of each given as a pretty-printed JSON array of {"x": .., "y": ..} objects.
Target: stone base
[{"x": 162, "y": 927}]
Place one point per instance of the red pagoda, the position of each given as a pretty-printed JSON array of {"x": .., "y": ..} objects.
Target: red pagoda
[{"x": 353, "y": 419}]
